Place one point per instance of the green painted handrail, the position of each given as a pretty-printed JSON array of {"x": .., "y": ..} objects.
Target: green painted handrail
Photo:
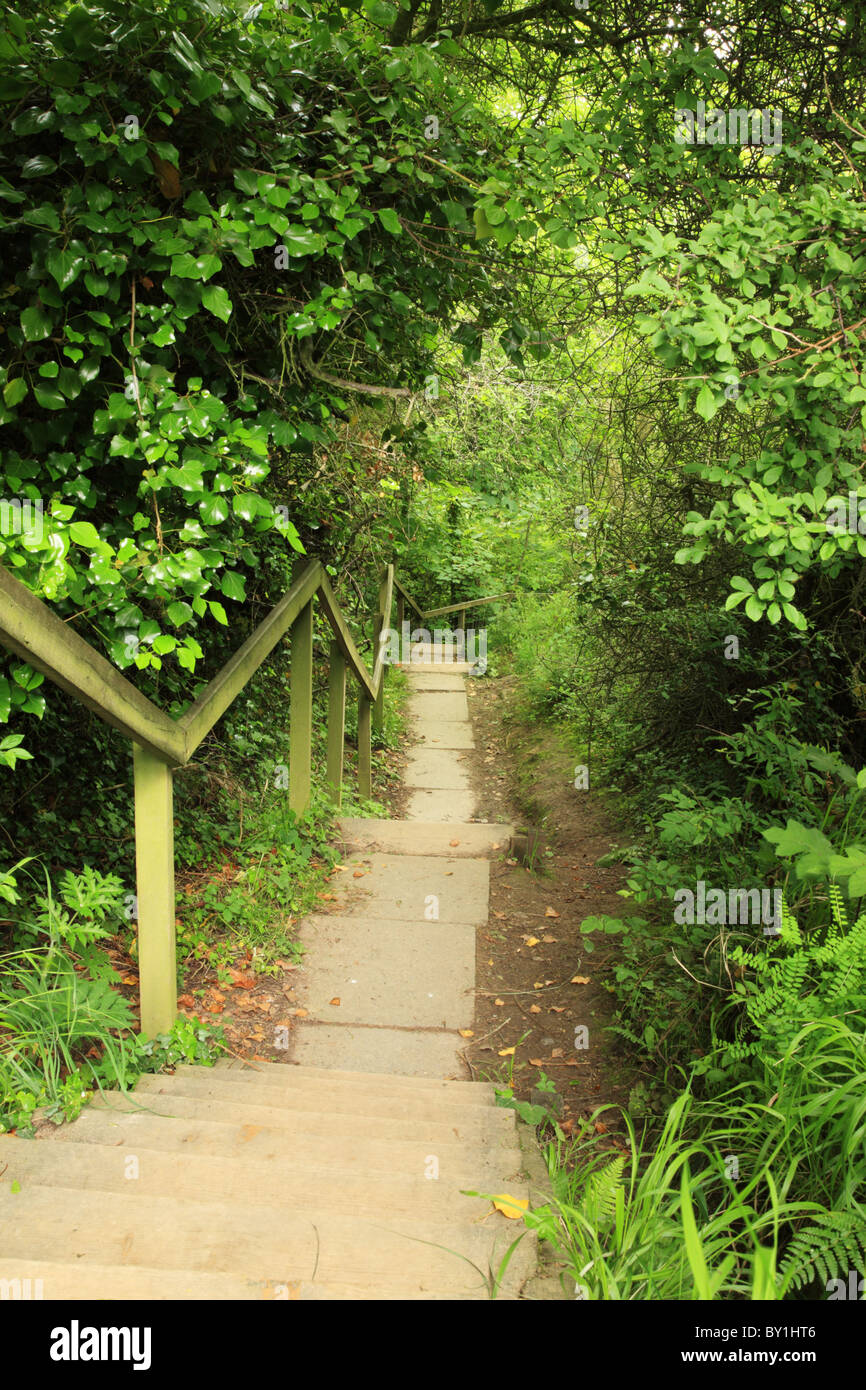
[{"x": 33, "y": 632}]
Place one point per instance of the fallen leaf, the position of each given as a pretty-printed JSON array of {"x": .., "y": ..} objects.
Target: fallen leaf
[
  {"x": 466, "y": 1032},
  {"x": 336, "y": 1003},
  {"x": 539, "y": 984},
  {"x": 534, "y": 1009},
  {"x": 299, "y": 1013},
  {"x": 531, "y": 940},
  {"x": 551, "y": 912},
  {"x": 359, "y": 873},
  {"x": 557, "y": 1052},
  {"x": 554, "y": 1010},
  {"x": 580, "y": 980},
  {"x": 500, "y": 916},
  {"x": 241, "y": 981},
  {"x": 512, "y": 1207},
  {"x": 454, "y": 843},
  {"x": 549, "y": 940},
  {"x": 500, "y": 1003},
  {"x": 512, "y": 862},
  {"x": 496, "y": 846},
  {"x": 536, "y": 1061},
  {"x": 186, "y": 1001},
  {"x": 507, "y": 1052},
  {"x": 600, "y": 1127},
  {"x": 131, "y": 980}
]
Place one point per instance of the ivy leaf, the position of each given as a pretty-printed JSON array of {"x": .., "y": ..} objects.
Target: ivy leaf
[
  {"x": 217, "y": 301},
  {"x": 14, "y": 391},
  {"x": 390, "y": 221},
  {"x": 35, "y": 323}
]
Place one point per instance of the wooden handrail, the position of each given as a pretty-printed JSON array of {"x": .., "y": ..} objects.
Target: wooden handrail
[
  {"x": 451, "y": 608},
  {"x": 29, "y": 628}
]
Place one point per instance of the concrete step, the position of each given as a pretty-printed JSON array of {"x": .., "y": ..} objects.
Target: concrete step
[
  {"x": 442, "y": 733},
  {"x": 256, "y": 1242},
  {"x": 458, "y": 1161},
  {"x": 212, "y": 1177},
  {"x": 493, "y": 1127},
  {"x": 441, "y": 769},
  {"x": 397, "y": 886},
  {"x": 384, "y": 1083},
  {"x": 88, "y": 1282},
  {"x": 386, "y": 973},
  {"x": 422, "y": 1052},
  {"x": 348, "y": 1095},
  {"x": 464, "y": 840},
  {"x": 343, "y": 1112},
  {"x": 445, "y": 705}
]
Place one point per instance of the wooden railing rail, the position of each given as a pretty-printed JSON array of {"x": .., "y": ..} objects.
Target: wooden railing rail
[{"x": 33, "y": 632}]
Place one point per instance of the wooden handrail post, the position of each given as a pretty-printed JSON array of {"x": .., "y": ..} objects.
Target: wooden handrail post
[
  {"x": 336, "y": 721},
  {"x": 301, "y": 722},
  {"x": 383, "y": 620},
  {"x": 154, "y": 870},
  {"x": 365, "y": 779},
  {"x": 461, "y": 622}
]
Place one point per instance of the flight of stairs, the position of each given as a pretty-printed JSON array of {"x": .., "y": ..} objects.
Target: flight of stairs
[
  {"x": 340, "y": 1173},
  {"x": 265, "y": 1181}
]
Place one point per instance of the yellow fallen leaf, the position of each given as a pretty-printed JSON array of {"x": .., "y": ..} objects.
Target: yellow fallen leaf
[
  {"x": 531, "y": 940},
  {"x": 538, "y": 984},
  {"x": 580, "y": 980},
  {"x": 534, "y": 1009},
  {"x": 550, "y": 912},
  {"x": 512, "y": 1207},
  {"x": 507, "y": 1052},
  {"x": 500, "y": 1003},
  {"x": 336, "y": 1003},
  {"x": 466, "y": 1032}
]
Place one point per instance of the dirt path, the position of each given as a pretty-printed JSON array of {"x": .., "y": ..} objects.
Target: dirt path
[{"x": 536, "y": 983}]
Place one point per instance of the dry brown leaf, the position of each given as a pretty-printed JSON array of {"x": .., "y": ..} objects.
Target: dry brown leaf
[
  {"x": 549, "y": 940},
  {"x": 551, "y": 912},
  {"x": 557, "y": 1052},
  {"x": 335, "y": 1002},
  {"x": 299, "y": 1013},
  {"x": 359, "y": 873},
  {"x": 554, "y": 1010},
  {"x": 454, "y": 843},
  {"x": 536, "y": 1061},
  {"x": 500, "y": 1003},
  {"x": 500, "y": 916},
  {"x": 534, "y": 1009},
  {"x": 241, "y": 981},
  {"x": 580, "y": 980}
]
